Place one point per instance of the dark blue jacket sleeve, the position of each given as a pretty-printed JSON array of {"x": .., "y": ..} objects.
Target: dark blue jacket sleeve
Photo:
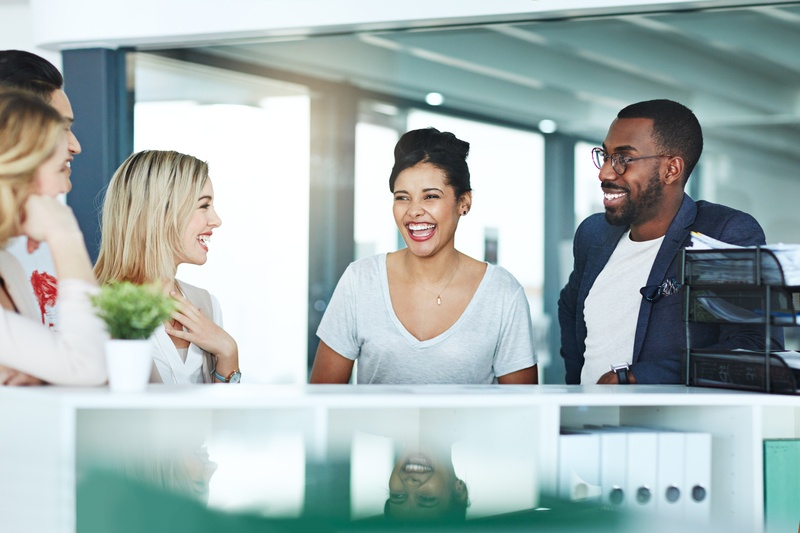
[{"x": 572, "y": 344}]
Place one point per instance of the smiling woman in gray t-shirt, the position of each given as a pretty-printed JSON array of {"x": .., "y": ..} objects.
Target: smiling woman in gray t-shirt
[{"x": 427, "y": 313}]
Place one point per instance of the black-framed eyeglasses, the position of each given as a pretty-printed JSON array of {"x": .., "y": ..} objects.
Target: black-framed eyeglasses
[{"x": 619, "y": 162}]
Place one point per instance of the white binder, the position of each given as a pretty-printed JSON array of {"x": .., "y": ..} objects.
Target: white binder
[
  {"x": 671, "y": 491},
  {"x": 697, "y": 477},
  {"x": 642, "y": 469},
  {"x": 578, "y": 465},
  {"x": 614, "y": 468}
]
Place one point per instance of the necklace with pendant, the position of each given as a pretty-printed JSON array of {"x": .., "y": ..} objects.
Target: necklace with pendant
[{"x": 438, "y": 294}]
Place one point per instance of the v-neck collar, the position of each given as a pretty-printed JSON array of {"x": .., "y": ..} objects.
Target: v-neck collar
[{"x": 412, "y": 340}]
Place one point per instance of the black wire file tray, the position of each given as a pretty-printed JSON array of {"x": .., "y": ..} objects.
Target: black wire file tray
[{"x": 753, "y": 285}]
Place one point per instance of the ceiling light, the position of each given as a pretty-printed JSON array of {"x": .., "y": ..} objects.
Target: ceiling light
[
  {"x": 547, "y": 126},
  {"x": 434, "y": 99}
]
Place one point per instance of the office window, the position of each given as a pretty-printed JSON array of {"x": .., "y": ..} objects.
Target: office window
[
  {"x": 507, "y": 216},
  {"x": 254, "y": 134},
  {"x": 375, "y": 231},
  {"x": 588, "y": 195}
]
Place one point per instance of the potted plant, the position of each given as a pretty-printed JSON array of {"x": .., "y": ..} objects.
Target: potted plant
[{"x": 131, "y": 313}]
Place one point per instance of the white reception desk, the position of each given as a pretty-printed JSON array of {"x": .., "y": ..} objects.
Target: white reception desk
[{"x": 48, "y": 433}]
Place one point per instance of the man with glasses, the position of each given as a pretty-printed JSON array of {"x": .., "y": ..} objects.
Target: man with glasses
[{"x": 620, "y": 313}]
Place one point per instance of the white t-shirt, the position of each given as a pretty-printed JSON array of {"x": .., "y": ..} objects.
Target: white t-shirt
[
  {"x": 41, "y": 275},
  {"x": 612, "y": 306},
  {"x": 493, "y": 337}
]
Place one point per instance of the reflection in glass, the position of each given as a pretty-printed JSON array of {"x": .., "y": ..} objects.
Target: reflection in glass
[
  {"x": 437, "y": 464},
  {"x": 184, "y": 471},
  {"x": 337, "y": 469},
  {"x": 424, "y": 486},
  {"x": 162, "y": 450}
]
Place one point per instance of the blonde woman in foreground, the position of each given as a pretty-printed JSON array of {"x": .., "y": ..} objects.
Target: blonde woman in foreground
[
  {"x": 34, "y": 168},
  {"x": 159, "y": 213}
]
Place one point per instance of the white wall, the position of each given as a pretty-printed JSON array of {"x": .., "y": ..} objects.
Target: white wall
[
  {"x": 16, "y": 30},
  {"x": 767, "y": 189}
]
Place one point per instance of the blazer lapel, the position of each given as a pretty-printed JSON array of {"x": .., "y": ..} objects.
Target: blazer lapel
[{"x": 674, "y": 240}]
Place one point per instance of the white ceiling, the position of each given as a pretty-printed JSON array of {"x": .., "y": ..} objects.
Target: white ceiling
[{"x": 738, "y": 68}]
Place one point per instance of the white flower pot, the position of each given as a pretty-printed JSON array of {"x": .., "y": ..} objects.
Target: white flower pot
[{"x": 129, "y": 364}]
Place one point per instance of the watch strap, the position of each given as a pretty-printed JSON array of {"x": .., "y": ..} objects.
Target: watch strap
[
  {"x": 622, "y": 372},
  {"x": 223, "y": 378}
]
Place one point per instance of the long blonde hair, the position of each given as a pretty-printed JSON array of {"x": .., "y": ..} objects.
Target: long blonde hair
[
  {"x": 29, "y": 132},
  {"x": 147, "y": 207}
]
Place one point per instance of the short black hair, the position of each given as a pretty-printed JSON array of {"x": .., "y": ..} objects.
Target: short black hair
[
  {"x": 676, "y": 129},
  {"x": 443, "y": 150},
  {"x": 28, "y": 72}
]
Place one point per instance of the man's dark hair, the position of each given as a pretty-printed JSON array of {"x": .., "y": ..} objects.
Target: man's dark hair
[
  {"x": 676, "y": 130},
  {"x": 29, "y": 72}
]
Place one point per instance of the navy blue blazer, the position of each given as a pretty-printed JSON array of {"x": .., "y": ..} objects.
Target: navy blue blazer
[{"x": 660, "y": 337}]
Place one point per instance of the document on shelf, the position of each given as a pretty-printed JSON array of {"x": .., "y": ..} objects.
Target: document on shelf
[
  {"x": 788, "y": 255},
  {"x": 723, "y": 310},
  {"x": 704, "y": 242},
  {"x": 786, "y": 272},
  {"x": 791, "y": 358}
]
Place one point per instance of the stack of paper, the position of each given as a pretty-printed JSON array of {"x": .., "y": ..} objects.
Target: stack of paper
[{"x": 784, "y": 269}]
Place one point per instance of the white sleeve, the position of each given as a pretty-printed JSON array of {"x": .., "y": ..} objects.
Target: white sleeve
[
  {"x": 338, "y": 327},
  {"x": 515, "y": 349},
  {"x": 74, "y": 355}
]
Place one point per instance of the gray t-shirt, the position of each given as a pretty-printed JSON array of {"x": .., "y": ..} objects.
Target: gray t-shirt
[{"x": 493, "y": 336}]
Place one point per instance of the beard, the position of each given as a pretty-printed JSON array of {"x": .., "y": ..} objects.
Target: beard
[{"x": 635, "y": 211}]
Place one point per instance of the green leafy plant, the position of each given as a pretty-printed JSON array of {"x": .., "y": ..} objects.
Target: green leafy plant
[{"x": 132, "y": 311}]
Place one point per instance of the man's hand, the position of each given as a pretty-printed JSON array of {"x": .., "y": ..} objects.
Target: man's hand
[{"x": 610, "y": 378}]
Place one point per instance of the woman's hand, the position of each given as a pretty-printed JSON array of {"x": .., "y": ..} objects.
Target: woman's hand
[
  {"x": 9, "y": 376},
  {"x": 203, "y": 332},
  {"x": 46, "y": 219}
]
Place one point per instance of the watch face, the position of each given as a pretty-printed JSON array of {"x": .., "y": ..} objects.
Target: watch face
[{"x": 236, "y": 377}]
